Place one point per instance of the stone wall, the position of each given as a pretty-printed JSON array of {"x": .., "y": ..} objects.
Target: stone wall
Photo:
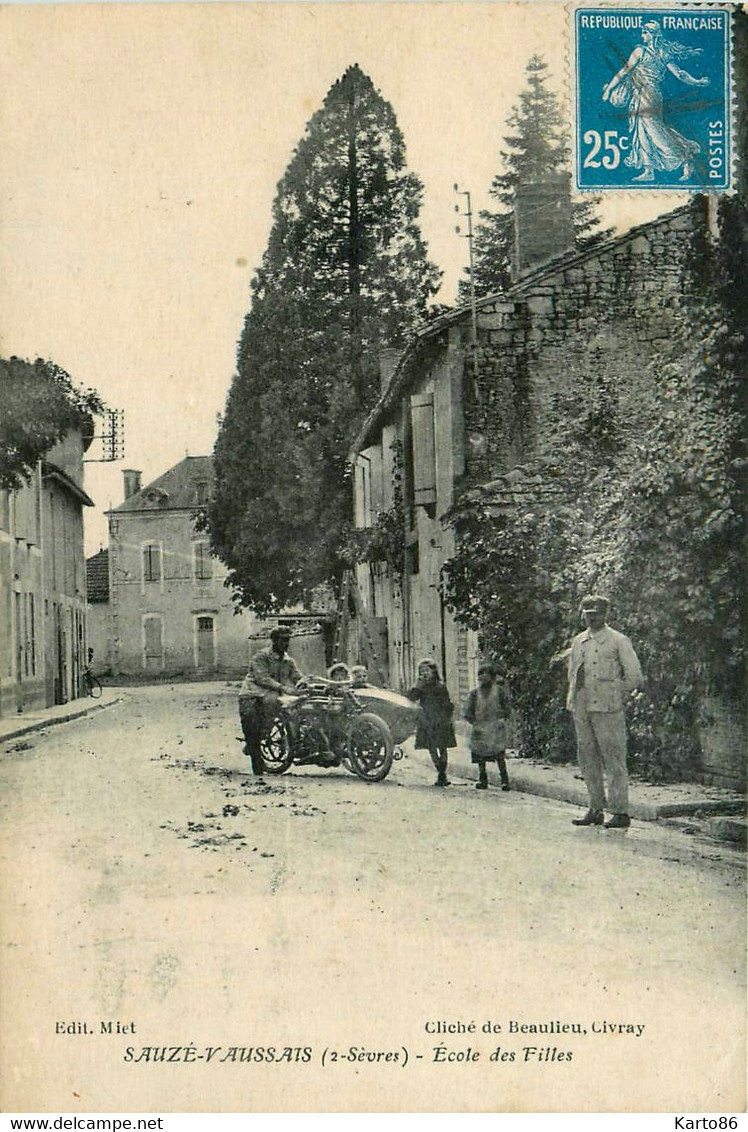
[
  {"x": 598, "y": 319},
  {"x": 606, "y": 311}
]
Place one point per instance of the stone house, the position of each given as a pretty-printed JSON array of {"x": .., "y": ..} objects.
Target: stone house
[
  {"x": 43, "y": 582},
  {"x": 469, "y": 399},
  {"x": 166, "y": 609}
]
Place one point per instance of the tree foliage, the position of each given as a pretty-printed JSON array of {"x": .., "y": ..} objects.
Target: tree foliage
[
  {"x": 537, "y": 146},
  {"x": 345, "y": 274},
  {"x": 651, "y": 511},
  {"x": 39, "y": 404}
]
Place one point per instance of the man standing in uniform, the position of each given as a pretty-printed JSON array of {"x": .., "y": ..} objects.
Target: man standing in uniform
[
  {"x": 272, "y": 673},
  {"x": 603, "y": 669}
]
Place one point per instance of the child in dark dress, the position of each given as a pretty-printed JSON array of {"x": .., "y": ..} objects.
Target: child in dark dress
[
  {"x": 435, "y": 731},
  {"x": 487, "y": 709}
]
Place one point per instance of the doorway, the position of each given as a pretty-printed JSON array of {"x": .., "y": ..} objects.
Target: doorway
[{"x": 205, "y": 644}]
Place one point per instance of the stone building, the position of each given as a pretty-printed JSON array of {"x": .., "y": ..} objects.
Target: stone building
[
  {"x": 43, "y": 582},
  {"x": 168, "y": 611},
  {"x": 455, "y": 412}
]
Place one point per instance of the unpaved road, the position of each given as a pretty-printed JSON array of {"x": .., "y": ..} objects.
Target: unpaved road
[{"x": 153, "y": 888}]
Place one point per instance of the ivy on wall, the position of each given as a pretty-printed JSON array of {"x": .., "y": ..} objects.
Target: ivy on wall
[
  {"x": 383, "y": 541},
  {"x": 645, "y": 505}
]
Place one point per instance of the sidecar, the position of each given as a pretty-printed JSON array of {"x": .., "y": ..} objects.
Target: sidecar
[
  {"x": 332, "y": 724},
  {"x": 399, "y": 713}
]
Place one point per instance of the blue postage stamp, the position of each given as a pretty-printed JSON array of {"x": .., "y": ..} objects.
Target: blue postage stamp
[{"x": 653, "y": 98}]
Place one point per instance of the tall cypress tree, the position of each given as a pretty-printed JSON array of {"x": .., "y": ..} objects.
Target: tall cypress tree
[
  {"x": 345, "y": 273},
  {"x": 537, "y": 145}
]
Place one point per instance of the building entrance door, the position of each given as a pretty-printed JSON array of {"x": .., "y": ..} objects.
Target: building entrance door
[
  {"x": 153, "y": 644},
  {"x": 206, "y": 644}
]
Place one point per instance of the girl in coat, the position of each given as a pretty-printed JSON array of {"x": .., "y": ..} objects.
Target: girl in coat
[{"x": 435, "y": 731}]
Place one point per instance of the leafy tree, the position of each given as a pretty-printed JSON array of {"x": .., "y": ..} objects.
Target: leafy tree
[
  {"x": 538, "y": 145},
  {"x": 682, "y": 543},
  {"x": 38, "y": 404},
  {"x": 345, "y": 273}
]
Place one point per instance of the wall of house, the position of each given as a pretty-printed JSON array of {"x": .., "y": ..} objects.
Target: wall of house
[
  {"x": 100, "y": 637},
  {"x": 6, "y": 606},
  {"x": 43, "y": 586},
  {"x": 22, "y": 684},
  {"x": 173, "y": 622},
  {"x": 65, "y": 631},
  {"x": 593, "y": 312},
  {"x": 428, "y": 427},
  {"x": 597, "y": 311},
  {"x": 593, "y": 317}
]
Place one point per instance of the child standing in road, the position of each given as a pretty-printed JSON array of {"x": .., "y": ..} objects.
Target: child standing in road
[
  {"x": 487, "y": 709},
  {"x": 435, "y": 731}
]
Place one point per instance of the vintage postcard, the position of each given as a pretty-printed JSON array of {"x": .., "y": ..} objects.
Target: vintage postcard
[{"x": 447, "y": 295}]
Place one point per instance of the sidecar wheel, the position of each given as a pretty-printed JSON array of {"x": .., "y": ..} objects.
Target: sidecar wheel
[
  {"x": 277, "y": 755},
  {"x": 370, "y": 747}
]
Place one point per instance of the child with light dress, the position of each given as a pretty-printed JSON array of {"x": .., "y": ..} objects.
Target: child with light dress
[{"x": 487, "y": 710}]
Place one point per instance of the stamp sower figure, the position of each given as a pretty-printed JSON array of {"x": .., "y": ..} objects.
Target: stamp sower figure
[
  {"x": 603, "y": 668},
  {"x": 271, "y": 673},
  {"x": 435, "y": 730},
  {"x": 487, "y": 709},
  {"x": 654, "y": 145}
]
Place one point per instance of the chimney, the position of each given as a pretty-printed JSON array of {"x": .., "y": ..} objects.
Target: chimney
[
  {"x": 132, "y": 481},
  {"x": 543, "y": 227},
  {"x": 387, "y": 365}
]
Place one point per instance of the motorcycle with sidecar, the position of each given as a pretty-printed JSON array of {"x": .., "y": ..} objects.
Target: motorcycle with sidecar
[{"x": 336, "y": 724}]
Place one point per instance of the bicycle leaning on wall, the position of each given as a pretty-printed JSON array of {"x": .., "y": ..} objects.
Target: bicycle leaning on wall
[{"x": 91, "y": 684}]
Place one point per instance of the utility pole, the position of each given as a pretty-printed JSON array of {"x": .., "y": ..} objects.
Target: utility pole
[
  {"x": 468, "y": 214},
  {"x": 112, "y": 438}
]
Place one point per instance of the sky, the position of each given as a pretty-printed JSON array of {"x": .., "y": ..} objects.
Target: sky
[{"x": 141, "y": 149}]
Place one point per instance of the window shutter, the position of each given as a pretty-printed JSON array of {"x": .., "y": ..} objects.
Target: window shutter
[
  {"x": 152, "y": 562},
  {"x": 424, "y": 458},
  {"x": 203, "y": 563},
  {"x": 154, "y": 637}
]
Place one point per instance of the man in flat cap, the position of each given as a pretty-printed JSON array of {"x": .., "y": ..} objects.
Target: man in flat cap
[
  {"x": 272, "y": 673},
  {"x": 603, "y": 669}
]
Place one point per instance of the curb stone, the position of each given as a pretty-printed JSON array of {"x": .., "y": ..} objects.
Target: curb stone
[
  {"x": 41, "y": 724},
  {"x": 562, "y": 783},
  {"x": 729, "y": 829}
]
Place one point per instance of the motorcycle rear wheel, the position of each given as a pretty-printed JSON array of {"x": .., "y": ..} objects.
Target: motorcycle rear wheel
[
  {"x": 277, "y": 755},
  {"x": 370, "y": 747}
]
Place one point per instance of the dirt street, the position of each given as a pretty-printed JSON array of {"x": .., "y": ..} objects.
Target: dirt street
[{"x": 158, "y": 899}]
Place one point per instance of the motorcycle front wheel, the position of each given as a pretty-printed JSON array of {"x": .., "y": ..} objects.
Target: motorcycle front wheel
[
  {"x": 370, "y": 747},
  {"x": 277, "y": 755}
]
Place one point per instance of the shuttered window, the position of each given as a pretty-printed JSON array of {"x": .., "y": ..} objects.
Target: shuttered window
[
  {"x": 202, "y": 561},
  {"x": 152, "y": 562},
  {"x": 424, "y": 453}
]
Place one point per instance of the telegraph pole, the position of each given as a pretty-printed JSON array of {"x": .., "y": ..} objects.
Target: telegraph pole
[
  {"x": 112, "y": 437},
  {"x": 468, "y": 214}
]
